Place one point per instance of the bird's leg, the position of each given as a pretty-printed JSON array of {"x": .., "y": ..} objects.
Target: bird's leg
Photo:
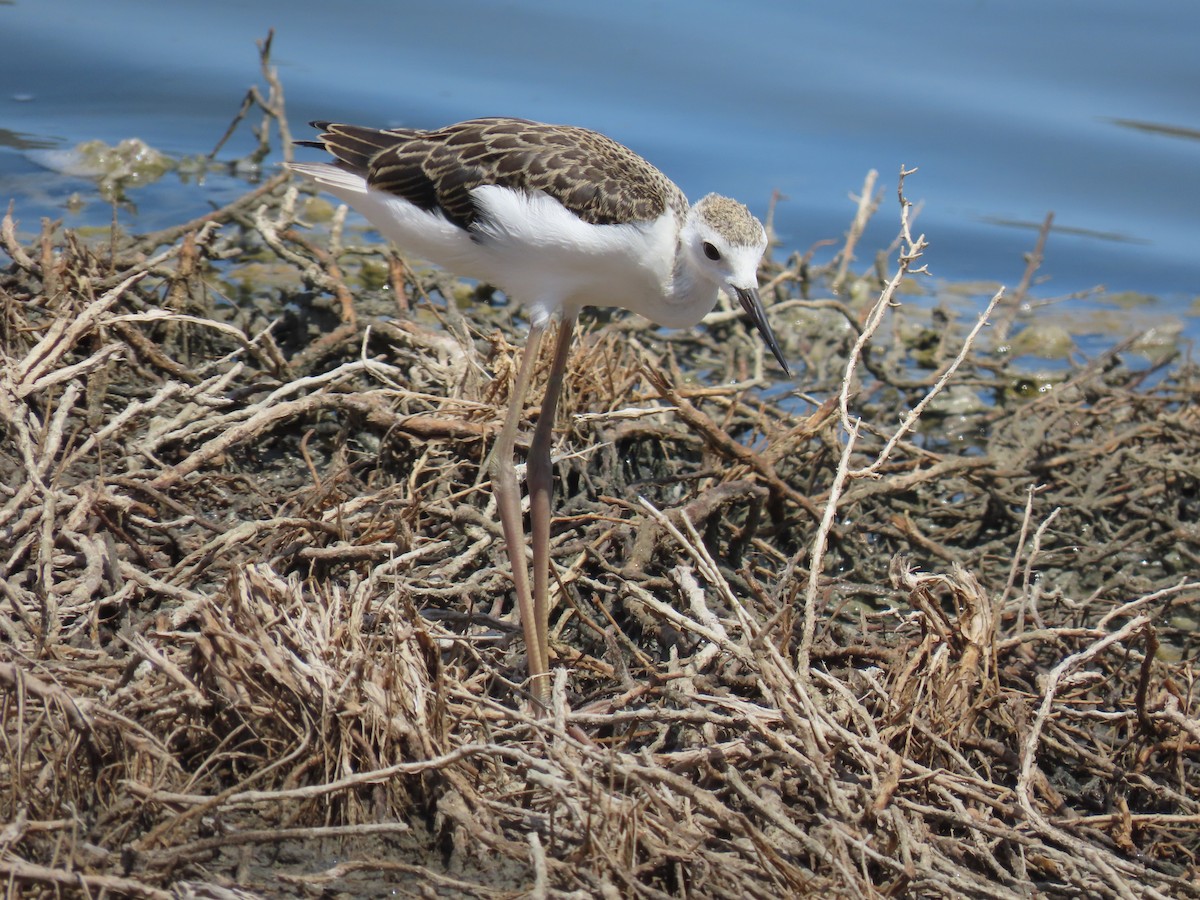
[
  {"x": 539, "y": 479},
  {"x": 507, "y": 491}
]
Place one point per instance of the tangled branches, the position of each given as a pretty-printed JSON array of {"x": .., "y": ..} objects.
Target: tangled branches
[{"x": 256, "y": 631}]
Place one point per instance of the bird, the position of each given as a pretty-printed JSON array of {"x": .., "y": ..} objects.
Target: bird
[{"x": 559, "y": 218}]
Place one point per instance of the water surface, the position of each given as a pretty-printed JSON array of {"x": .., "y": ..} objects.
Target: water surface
[{"x": 1009, "y": 109}]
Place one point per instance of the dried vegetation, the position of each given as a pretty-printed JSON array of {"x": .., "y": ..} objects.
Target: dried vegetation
[{"x": 871, "y": 638}]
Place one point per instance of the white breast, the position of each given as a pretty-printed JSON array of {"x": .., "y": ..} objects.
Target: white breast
[{"x": 535, "y": 250}]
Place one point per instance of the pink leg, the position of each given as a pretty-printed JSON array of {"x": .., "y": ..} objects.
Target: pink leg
[
  {"x": 539, "y": 479},
  {"x": 508, "y": 501}
]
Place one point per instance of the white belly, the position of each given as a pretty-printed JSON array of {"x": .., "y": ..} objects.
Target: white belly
[{"x": 531, "y": 247}]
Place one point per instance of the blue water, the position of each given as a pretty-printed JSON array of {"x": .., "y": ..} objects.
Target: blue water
[{"x": 1010, "y": 108}]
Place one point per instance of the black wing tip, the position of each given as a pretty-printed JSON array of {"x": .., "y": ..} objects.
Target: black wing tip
[{"x": 317, "y": 143}]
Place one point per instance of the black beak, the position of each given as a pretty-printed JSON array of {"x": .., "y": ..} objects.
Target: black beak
[{"x": 752, "y": 304}]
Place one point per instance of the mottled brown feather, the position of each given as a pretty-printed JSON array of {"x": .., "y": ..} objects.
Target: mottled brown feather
[{"x": 599, "y": 180}]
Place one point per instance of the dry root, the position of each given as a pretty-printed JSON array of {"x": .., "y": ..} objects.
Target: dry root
[{"x": 255, "y": 630}]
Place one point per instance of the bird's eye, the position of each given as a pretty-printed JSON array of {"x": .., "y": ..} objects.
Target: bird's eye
[{"x": 711, "y": 252}]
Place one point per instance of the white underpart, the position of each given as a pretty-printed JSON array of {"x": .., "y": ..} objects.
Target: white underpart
[{"x": 536, "y": 251}]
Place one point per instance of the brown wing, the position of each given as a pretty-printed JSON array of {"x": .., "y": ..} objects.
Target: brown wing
[{"x": 596, "y": 178}]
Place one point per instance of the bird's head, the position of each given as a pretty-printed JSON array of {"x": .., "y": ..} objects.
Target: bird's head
[{"x": 724, "y": 244}]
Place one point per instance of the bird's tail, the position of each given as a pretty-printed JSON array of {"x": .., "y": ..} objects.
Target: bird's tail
[{"x": 352, "y": 145}]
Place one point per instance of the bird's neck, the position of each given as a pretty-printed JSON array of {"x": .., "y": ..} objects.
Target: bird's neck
[
  {"x": 687, "y": 297},
  {"x": 688, "y": 287}
]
